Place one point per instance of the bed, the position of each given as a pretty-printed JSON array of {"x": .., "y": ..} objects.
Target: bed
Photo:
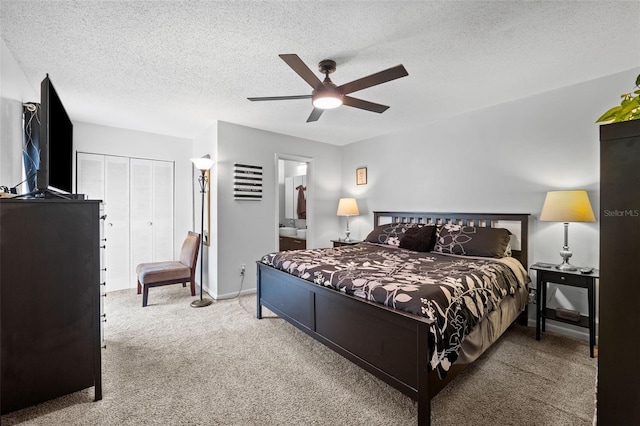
[{"x": 396, "y": 332}]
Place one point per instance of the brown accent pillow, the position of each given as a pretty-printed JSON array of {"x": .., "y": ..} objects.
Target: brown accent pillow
[
  {"x": 419, "y": 238},
  {"x": 391, "y": 233},
  {"x": 473, "y": 241}
]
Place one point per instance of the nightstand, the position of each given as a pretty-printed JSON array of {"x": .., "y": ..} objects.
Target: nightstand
[
  {"x": 545, "y": 274},
  {"x": 340, "y": 243}
]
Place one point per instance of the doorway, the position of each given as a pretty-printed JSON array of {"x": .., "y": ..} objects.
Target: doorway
[{"x": 294, "y": 206}]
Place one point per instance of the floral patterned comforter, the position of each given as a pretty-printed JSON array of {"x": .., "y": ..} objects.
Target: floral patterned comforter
[{"x": 456, "y": 292}]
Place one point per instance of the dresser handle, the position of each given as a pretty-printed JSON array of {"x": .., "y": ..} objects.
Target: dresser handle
[{"x": 563, "y": 278}]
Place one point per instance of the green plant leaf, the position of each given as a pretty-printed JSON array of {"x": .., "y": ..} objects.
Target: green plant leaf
[
  {"x": 609, "y": 115},
  {"x": 628, "y": 109}
]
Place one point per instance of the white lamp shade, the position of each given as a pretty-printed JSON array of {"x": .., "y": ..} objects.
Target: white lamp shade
[
  {"x": 202, "y": 163},
  {"x": 347, "y": 207},
  {"x": 567, "y": 206}
]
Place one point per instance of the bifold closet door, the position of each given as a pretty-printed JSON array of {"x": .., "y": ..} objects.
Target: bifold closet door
[
  {"x": 116, "y": 189},
  {"x": 151, "y": 203},
  {"x": 138, "y": 197},
  {"x": 162, "y": 213},
  {"x": 141, "y": 213},
  {"x": 90, "y": 176},
  {"x": 106, "y": 178}
]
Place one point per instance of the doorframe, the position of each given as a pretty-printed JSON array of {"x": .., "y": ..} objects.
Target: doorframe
[{"x": 310, "y": 205}]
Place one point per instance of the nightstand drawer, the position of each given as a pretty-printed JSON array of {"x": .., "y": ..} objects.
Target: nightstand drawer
[{"x": 560, "y": 277}]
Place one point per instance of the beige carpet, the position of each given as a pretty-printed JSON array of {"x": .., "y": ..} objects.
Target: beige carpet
[{"x": 172, "y": 364}]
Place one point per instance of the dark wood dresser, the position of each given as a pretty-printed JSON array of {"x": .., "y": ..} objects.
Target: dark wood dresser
[
  {"x": 49, "y": 300},
  {"x": 619, "y": 345}
]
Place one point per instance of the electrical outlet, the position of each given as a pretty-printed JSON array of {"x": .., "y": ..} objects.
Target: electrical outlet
[{"x": 242, "y": 269}]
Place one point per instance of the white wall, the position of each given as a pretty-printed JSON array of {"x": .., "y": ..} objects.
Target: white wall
[
  {"x": 249, "y": 229},
  {"x": 500, "y": 159},
  {"x": 97, "y": 139},
  {"x": 14, "y": 90}
]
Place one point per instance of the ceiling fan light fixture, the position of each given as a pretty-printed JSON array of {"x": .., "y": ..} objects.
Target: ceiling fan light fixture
[
  {"x": 326, "y": 95},
  {"x": 326, "y": 100}
]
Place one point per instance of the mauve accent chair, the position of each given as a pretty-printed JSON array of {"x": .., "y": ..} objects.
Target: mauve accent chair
[{"x": 155, "y": 274}]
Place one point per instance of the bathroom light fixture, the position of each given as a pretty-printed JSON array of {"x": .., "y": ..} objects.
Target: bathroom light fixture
[
  {"x": 567, "y": 206},
  {"x": 203, "y": 164},
  {"x": 347, "y": 207}
]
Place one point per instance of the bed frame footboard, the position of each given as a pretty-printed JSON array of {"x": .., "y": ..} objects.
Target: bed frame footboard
[{"x": 390, "y": 345}]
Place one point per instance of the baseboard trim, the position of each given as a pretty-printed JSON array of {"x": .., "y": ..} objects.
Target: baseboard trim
[
  {"x": 560, "y": 328},
  {"x": 234, "y": 294}
]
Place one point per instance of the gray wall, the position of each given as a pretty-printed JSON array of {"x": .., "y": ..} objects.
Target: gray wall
[
  {"x": 249, "y": 229},
  {"x": 499, "y": 159}
]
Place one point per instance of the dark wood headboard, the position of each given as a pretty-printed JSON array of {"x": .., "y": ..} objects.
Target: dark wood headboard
[{"x": 517, "y": 224}]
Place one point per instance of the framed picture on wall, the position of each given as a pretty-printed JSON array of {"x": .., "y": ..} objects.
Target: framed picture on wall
[{"x": 361, "y": 176}]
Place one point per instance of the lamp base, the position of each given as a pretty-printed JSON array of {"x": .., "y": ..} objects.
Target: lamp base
[
  {"x": 201, "y": 303},
  {"x": 566, "y": 254},
  {"x": 565, "y": 266}
]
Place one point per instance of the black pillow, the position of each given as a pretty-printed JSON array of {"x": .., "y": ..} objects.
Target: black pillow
[
  {"x": 391, "y": 233},
  {"x": 419, "y": 239}
]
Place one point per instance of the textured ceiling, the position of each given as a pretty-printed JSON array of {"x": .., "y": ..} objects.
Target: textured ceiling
[{"x": 174, "y": 67}]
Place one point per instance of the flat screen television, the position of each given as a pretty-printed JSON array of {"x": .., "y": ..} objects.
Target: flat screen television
[{"x": 56, "y": 143}]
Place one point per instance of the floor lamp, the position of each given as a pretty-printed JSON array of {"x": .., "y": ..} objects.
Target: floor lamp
[{"x": 203, "y": 164}]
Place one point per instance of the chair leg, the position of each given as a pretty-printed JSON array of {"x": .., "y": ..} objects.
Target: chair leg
[
  {"x": 145, "y": 296},
  {"x": 193, "y": 286},
  {"x": 139, "y": 287}
]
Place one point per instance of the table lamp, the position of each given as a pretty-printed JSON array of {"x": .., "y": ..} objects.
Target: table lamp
[
  {"x": 347, "y": 207},
  {"x": 567, "y": 206}
]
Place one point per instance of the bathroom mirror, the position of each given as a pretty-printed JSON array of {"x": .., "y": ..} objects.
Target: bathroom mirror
[{"x": 295, "y": 197}]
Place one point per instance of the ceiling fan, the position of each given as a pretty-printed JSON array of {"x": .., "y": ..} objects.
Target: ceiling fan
[{"x": 327, "y": 95}]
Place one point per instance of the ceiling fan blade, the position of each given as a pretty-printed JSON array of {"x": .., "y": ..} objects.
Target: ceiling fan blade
[
  {"x": 301, "y": 69},
  {"x": 366, "y": 105},
  {"x": 280, "y": 98},
  {"x": 374, "y": 79},
  {"x": 315, "y": 114}
]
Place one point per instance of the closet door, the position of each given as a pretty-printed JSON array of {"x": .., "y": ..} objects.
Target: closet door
[
  {"x": 116, "y": 208},
  {"x": 151, "y": 203},
  {"x": 140, "y": 202},
  {"x": 90, "y": 176},
  {"x": 138, "y": 197},
  {"x": 162, "y": 210},
  {"x": 106, "y": 178}
]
